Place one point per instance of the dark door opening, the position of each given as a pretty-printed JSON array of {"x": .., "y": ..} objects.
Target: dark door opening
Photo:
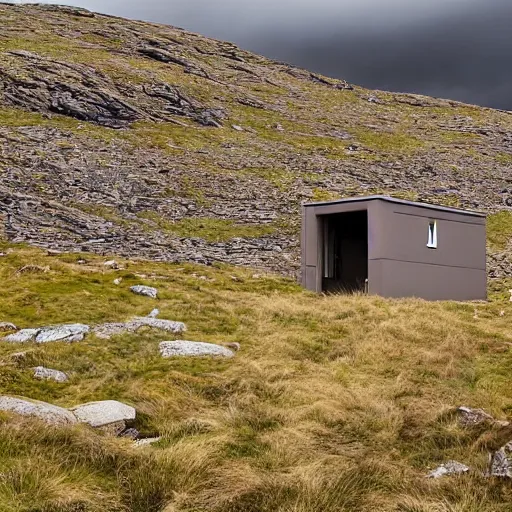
[{"x": 345, "y": 252}]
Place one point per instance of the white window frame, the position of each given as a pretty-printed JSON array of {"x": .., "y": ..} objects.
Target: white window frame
[{"x": 432, "y": 234}]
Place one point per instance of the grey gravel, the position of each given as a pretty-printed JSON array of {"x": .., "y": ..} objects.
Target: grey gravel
[
  {"x": 193, "y": 348},
  {"x": 40, "y": 372},
  {"x": 145, "y": 290},
  {"x": 49, "y": 413}
]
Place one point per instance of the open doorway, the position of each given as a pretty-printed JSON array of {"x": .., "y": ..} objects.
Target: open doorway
[{"x": 345, "y": 252}]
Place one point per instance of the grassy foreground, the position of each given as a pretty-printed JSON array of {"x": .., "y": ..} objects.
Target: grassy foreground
[{"x": 332, "y": 404}]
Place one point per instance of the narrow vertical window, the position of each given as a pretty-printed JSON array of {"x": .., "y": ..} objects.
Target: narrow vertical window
[
  {"x": 328, "y": 251},
  {"x": 432, "y": 234}
]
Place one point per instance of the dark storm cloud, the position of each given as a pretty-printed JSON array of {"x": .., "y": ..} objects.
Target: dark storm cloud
[{"x": 456, "y": 49}]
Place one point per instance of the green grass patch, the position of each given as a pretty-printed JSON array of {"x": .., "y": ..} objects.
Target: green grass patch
[
  {"x": 389, "y": 142},
  {"x": 499, "y": 230},
  {"x": 504, "y": 158},
  {"x": 208, "y": 228}
]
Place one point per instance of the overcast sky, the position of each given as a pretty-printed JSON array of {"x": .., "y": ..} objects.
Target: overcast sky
[{"x": 458, "y": 49}]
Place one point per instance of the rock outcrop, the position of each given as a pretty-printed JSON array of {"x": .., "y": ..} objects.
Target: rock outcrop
[
  {"x": 109, "y": 415},
  {"x": 147, "y": 291},
  {"x": 49, "y": 413},
  {"x": 182, "y": 348},
  {"x": 451, "y": 467},
  {"x": 40, "y": 372},
  {"x": 68, "y": 333}
]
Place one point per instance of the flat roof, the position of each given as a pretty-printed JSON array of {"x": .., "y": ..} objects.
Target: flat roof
[{"x": 390, "y": 199}]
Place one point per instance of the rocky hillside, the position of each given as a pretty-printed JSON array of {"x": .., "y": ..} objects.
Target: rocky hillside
[{"x": 147, "y": 140}]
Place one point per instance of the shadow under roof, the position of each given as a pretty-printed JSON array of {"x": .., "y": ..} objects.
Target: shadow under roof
[{"x": 389, "y": 199}]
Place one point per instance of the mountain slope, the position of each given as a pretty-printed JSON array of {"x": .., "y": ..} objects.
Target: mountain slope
[{"x": 147, "y": 140}]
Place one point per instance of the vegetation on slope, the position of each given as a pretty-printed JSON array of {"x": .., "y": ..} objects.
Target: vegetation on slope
[
  {"x": 333, "y": 403},
  {"x": 276, "y": 136}
]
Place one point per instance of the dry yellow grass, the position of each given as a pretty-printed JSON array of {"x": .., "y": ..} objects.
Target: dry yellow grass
[{"x": 332, "y": 404}]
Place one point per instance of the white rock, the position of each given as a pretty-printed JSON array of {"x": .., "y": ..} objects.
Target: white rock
[
  {"x": 154, "y": 313},
  {"x": 7, "y": 326},
  {"x": 111, "y": 264},
  {"x": 451, "y": 467},
  {"x": 49, "y": 413},
  {"x": 22, "y": 336},
  {"x": 117, "y": 281},
  {"x": 40, "y": 372},
  {"x": 67, "y": 333},
  {"x": 100, "y": 414},
  {"x": 193, "y": 348},
  {"x": 106, "y": 331},
  {"x": 237, "y": 128},
  {"x": 146, "y": 442},
  {"x": 159, "y": 323},
  {"x": 144, "y": 290}
]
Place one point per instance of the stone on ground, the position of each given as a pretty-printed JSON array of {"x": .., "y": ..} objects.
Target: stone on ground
[
  {"x": 106, "y": 412},
  {"x": 154, "y": 313},
  {"x": 67, "y": 333},
  {"x": 145, "y": 290},
  {"x": 40, "y": 372},
  {"x": 106, "y": 331},
  {"x": 470, "y": 417},
  {"x": 23, "y": 336},
  {"x": 501, "y": 462},
  {"x": 49, "y": 413},
  {"x": 157, "y": 323},
  {"x": 147, "y": 441},
  {"x": 452, "y": 467},
  {"x": 193, "y": 348},
  {"x": 7, "y": 326}
]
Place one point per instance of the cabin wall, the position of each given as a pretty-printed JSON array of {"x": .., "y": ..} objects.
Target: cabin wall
[{"x": 399, "y": 262}]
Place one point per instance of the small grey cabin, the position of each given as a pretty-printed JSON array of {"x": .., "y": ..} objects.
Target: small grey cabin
[{"x": 394, "y": 248}]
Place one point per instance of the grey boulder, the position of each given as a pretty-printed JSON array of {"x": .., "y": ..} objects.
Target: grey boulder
[
  {"x": 40, "y": 372},
  {"x": 106, "y": 331},
  {"x": 501, "y": 462},
  {"x": 469, "y": 416},
  {"x": 106, "y": 412},
  {"x": 452, "y": 467},
  {"x": 49, "y": 413},
  {"x": 144, "y": 290},
  {"x": 23, "y": 336},
  {"x": 157, "y": 323},
  {"x": 193, "y": 348},
  {"x": 67, "y": 333}
]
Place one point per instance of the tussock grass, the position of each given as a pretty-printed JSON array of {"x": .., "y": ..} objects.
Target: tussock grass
[{"x": 338, "y": 403}]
